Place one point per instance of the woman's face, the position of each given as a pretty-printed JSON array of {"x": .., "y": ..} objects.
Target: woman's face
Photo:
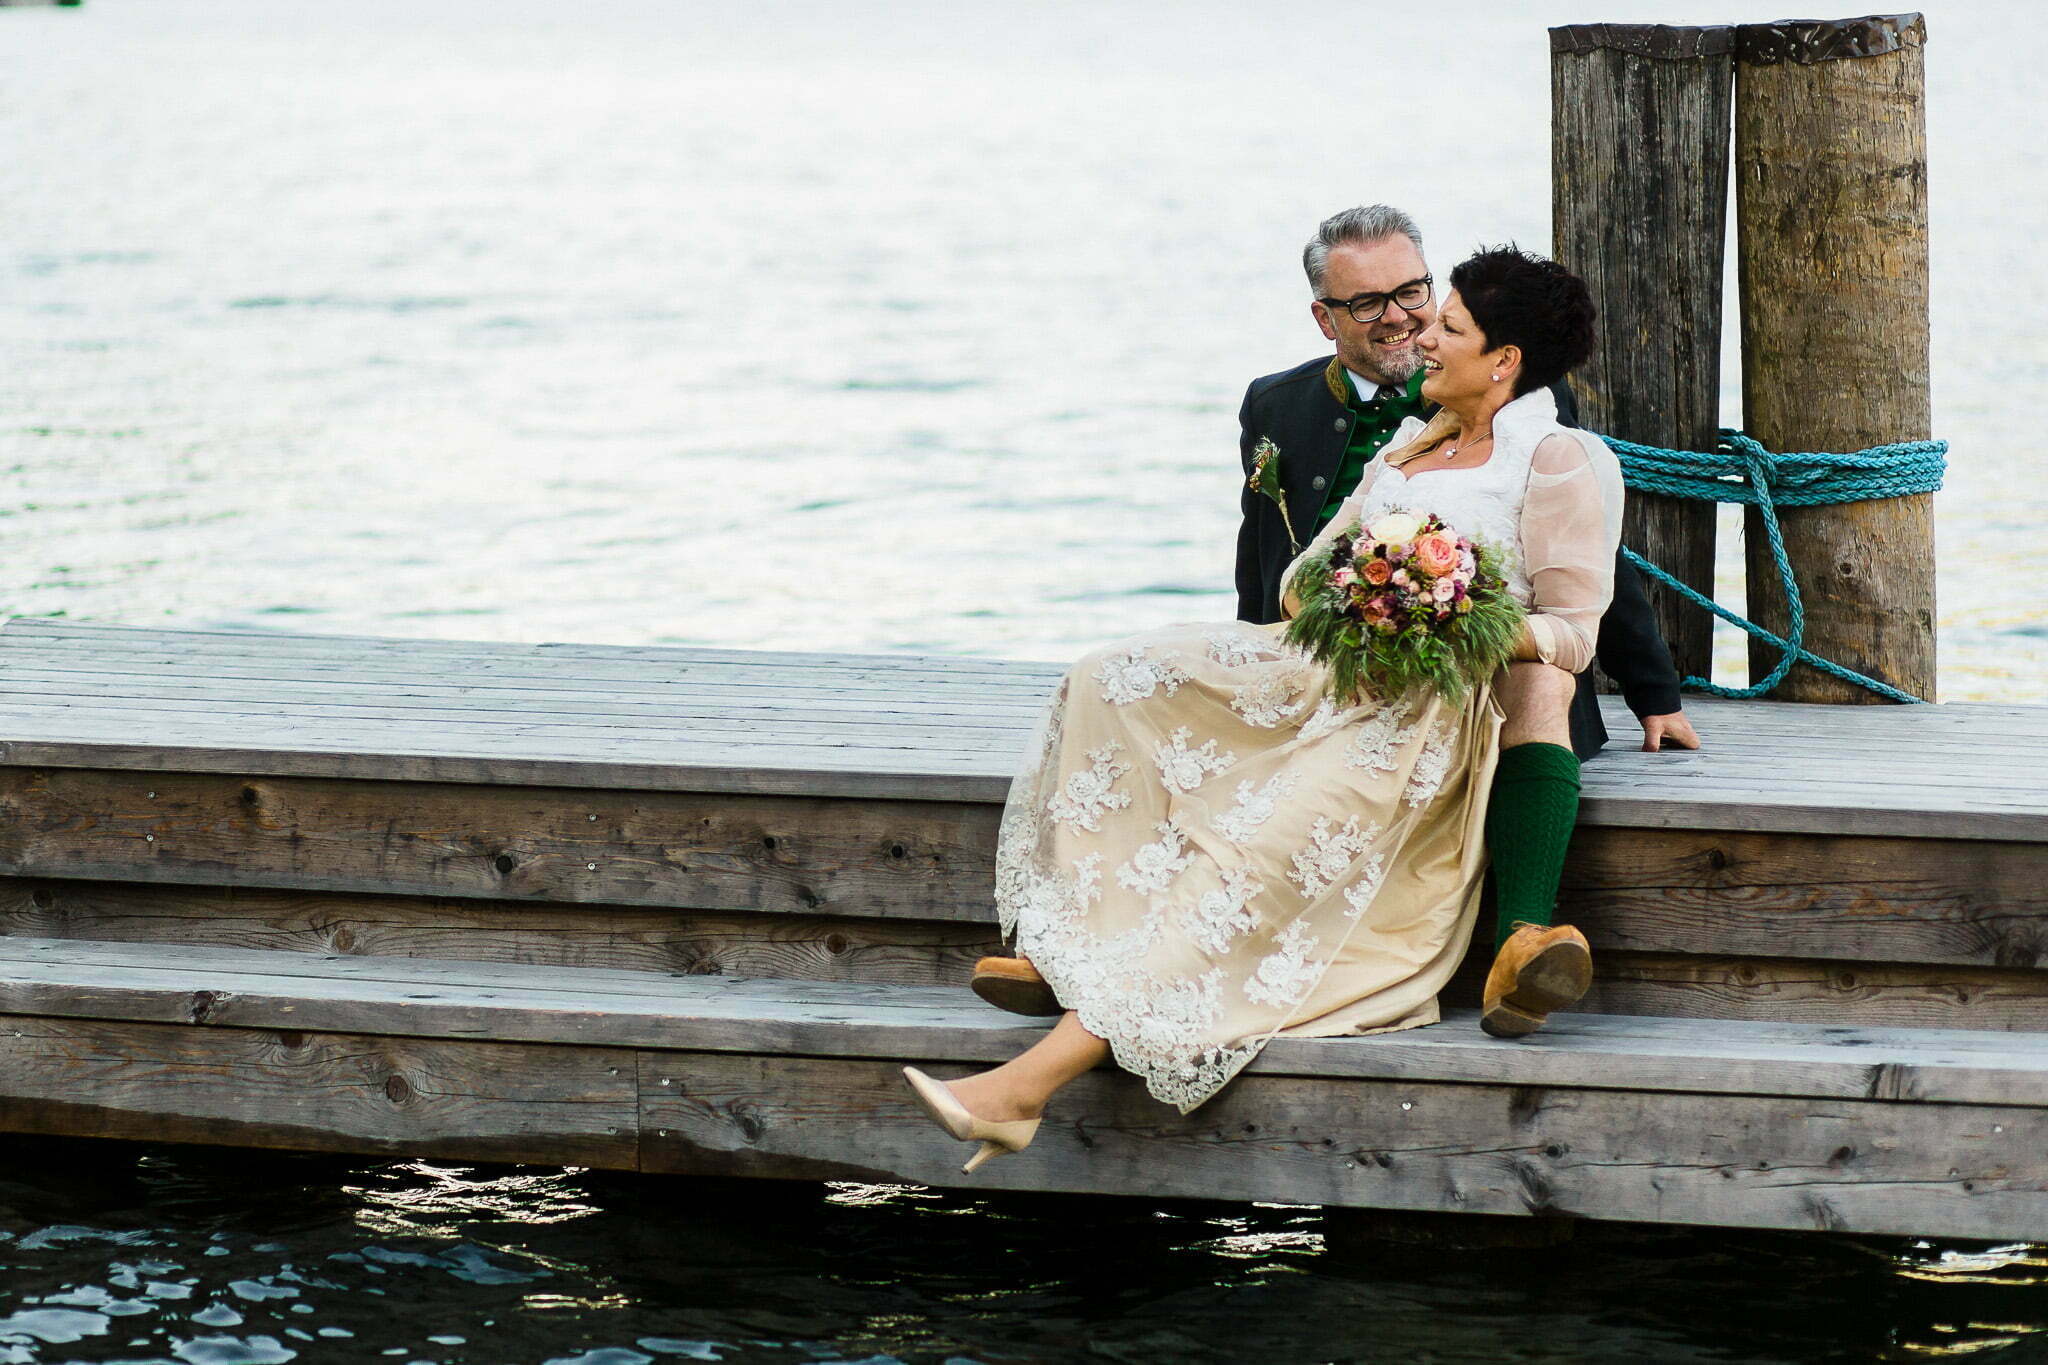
[{"x": 1458, "y": 364}]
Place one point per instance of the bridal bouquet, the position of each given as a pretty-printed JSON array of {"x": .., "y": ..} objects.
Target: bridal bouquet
[{"x": 1404, "y": 604}]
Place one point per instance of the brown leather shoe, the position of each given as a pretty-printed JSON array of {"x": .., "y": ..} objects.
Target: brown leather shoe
[
  {"x": 1538, "y": 970},
  {"x": 1013, "y": 984}
]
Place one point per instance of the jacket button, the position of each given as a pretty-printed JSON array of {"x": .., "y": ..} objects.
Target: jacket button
[
  {"x": 1317, "y": 483},
  {"x": 1340, "y": 423}
]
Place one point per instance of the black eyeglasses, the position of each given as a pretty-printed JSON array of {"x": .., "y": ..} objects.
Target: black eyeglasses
[{"x": 1368, "y": 307}]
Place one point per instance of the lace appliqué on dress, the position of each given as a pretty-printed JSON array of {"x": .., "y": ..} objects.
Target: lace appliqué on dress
[
  {"x": 1285, "y": 976},
  {"x": 1182, "y": 769},
  {"x": 1133, "y": 676},
  {"x": 1225, "y": 913},
  {"x": 1330, "y": 850},
  {"x": 1359, "y": 895},
  {"x": 1091, "y": 791},
  {"x": 1379, "y": 740},
  {"x": 1431, "y": 766},
  {"x": 1253, "y": 807},
  {"x": 1271, "y": 699},
  {"x": 1326, "y": 718},
  {"x": 1235, "y": 648},
  {"x": 1153, "y": 866}
]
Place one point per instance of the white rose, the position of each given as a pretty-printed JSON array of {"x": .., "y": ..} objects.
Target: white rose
[{"x": 1396, "y": 528}]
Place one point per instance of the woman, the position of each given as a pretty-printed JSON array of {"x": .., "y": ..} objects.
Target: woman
[{"x": 1207, "y": 849}]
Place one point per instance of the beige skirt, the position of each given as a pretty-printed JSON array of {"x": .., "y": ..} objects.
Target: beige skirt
[{"x": 1205, "y": 850}]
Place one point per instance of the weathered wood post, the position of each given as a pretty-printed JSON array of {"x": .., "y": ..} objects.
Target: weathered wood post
[
  {"x": 1831, "y": 209},
  {"x": 1639, "y": 192}
]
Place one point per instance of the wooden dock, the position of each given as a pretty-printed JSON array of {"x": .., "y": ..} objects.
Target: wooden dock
[{"x": 687, "y": 910}]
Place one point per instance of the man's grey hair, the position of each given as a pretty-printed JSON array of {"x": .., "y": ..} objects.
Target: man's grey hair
[{"x": 1362, "y": 226}]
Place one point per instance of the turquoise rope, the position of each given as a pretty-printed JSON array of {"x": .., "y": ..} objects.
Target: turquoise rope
[{"x": 1739, "y": 470}]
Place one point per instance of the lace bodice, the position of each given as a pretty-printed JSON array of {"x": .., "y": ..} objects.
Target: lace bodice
[
  {"x": 1483, "y": 503},
  {"x": 1551, "y": 507}
]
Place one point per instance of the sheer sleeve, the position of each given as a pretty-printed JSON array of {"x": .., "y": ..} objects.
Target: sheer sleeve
[
  {"x": 1346, "y": 518},
  {"x": 1571, "y": 526}
]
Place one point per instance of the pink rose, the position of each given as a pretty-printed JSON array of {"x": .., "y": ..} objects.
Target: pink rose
[
  {"x": 1444, "y": 591},
  {"x": 1436, "y": 553},
  {"x": 1401, "y": 579},
  {"x": 1344, "y": 577}
]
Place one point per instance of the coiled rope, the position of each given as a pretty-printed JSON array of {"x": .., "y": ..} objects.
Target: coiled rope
[{"x": 1739, "y": 470}]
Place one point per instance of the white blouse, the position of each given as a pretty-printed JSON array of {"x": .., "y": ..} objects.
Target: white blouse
[{"x": 1549, "y": 499}]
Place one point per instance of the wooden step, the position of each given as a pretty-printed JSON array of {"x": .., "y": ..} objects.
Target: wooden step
[{"x": 1936, "y": 1132}]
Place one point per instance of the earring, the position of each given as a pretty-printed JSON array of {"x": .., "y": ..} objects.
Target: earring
[{"x": 1496, "y": 379}]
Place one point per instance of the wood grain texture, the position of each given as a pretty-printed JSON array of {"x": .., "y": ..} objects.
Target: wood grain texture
[
  {"x": 869, "y": 727},
  {"x": 318, "y": 1092},
  {"x": 1831, "y": 188},
  {"x": 738, "y": 944},
  {"x": 1733, "y": 893},
  {"x": 910, "y": 860},
  {"x": 1639, "y": 185},
  {"x": 430, "y": 998},
  {"x": 1733, "y": 1161}
]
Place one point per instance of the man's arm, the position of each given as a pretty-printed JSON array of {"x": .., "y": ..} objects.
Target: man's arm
[
  {"x": 1250, "y": 588},
  {"x": 1633, "y": 653}
]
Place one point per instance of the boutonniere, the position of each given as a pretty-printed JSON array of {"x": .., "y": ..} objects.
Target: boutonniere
[{"x": 1266, "y": 479}]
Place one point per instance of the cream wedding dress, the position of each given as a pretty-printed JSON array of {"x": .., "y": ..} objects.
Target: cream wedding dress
[{"x": 1206, "y": 849}]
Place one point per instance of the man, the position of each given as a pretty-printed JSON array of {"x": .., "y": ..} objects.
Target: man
[{"x": 1372, "y": 296}]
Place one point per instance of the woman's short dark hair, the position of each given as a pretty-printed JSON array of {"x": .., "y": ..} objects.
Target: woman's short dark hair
[{"x": 1519, "y": 299}]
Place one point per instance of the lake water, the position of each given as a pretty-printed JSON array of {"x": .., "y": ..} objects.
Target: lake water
[{"x": 763, "y": 325}]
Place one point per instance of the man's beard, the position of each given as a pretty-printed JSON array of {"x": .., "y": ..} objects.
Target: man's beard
[{"x": 1393, "y": 369}]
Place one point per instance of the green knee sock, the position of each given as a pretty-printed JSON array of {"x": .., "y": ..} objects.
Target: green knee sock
[{"x": 1529, "y": 822}]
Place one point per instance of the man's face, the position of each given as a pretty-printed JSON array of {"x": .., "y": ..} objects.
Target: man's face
[{"x": 1382, "y": 350}]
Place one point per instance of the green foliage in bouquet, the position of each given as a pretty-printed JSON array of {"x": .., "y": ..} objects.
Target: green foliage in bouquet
[{"x": 1449, "y": 657}]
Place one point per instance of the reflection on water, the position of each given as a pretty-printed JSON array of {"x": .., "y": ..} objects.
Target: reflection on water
[{"x": 223, "y": 1258}]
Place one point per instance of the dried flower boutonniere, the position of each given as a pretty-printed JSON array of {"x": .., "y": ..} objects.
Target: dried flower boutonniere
[{"x": 1266, "y": 479}]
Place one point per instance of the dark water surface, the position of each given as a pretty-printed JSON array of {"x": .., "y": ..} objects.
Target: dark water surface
[{"x": 123, "y": 1252}]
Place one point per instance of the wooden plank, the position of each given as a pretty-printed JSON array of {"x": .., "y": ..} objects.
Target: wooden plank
[
  {"x": 1863, "y": 994},
  {"x": 635, "y": 680},
  {"x": 921, "y": 860},
  {"x": 33, "y": 630},
  {"x": 730, "y": 944},
  {"x": 1870, "y": 899},
  {"x": 1884, "y": 900},
  {"x": 225, "y": 691},
  {"x": 1731, "y": 1161},
  {"x": 1614, "y": 794},
  {"x": 169, "y": 983},
  {"x": 463, "y": 731},
  {"x": 868, "y": 775},
  {"x": 477, "y": 1101}
]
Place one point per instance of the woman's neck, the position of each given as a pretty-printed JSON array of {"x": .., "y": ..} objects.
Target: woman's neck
[{"x": 1475, "y": 417}]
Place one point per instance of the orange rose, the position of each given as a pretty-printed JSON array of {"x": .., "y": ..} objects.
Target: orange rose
[
  {"x": 1436, "y": 553},
  {"x": 1377, "y": 570}
]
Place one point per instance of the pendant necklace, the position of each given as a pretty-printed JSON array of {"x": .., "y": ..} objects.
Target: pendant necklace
[{"x": 1451, "y": 451}]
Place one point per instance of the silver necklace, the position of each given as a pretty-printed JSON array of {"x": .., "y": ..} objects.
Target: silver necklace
[{"x": 1451, "y": 452}]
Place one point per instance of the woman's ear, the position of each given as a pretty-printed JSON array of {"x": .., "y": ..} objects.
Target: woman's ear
[{"x": 1506, "y": 359}]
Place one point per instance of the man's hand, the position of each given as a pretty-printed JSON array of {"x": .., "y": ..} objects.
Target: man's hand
[{"x": 1673, "y": 730}]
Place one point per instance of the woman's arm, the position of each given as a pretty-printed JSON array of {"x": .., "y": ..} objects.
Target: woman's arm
[{"x": 1571, "y": 525}]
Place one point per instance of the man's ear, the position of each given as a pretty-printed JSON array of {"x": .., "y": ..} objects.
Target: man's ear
[{"x": 1322, "y": 317}]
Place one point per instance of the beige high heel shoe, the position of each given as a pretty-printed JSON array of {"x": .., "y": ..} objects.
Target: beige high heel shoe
[{"x": 947, "y": 1111}]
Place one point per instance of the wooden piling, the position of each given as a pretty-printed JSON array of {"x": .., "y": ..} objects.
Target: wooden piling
[
  {"x": 1639, "y": 176},
  {"x": 1831, "y": 164}
]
